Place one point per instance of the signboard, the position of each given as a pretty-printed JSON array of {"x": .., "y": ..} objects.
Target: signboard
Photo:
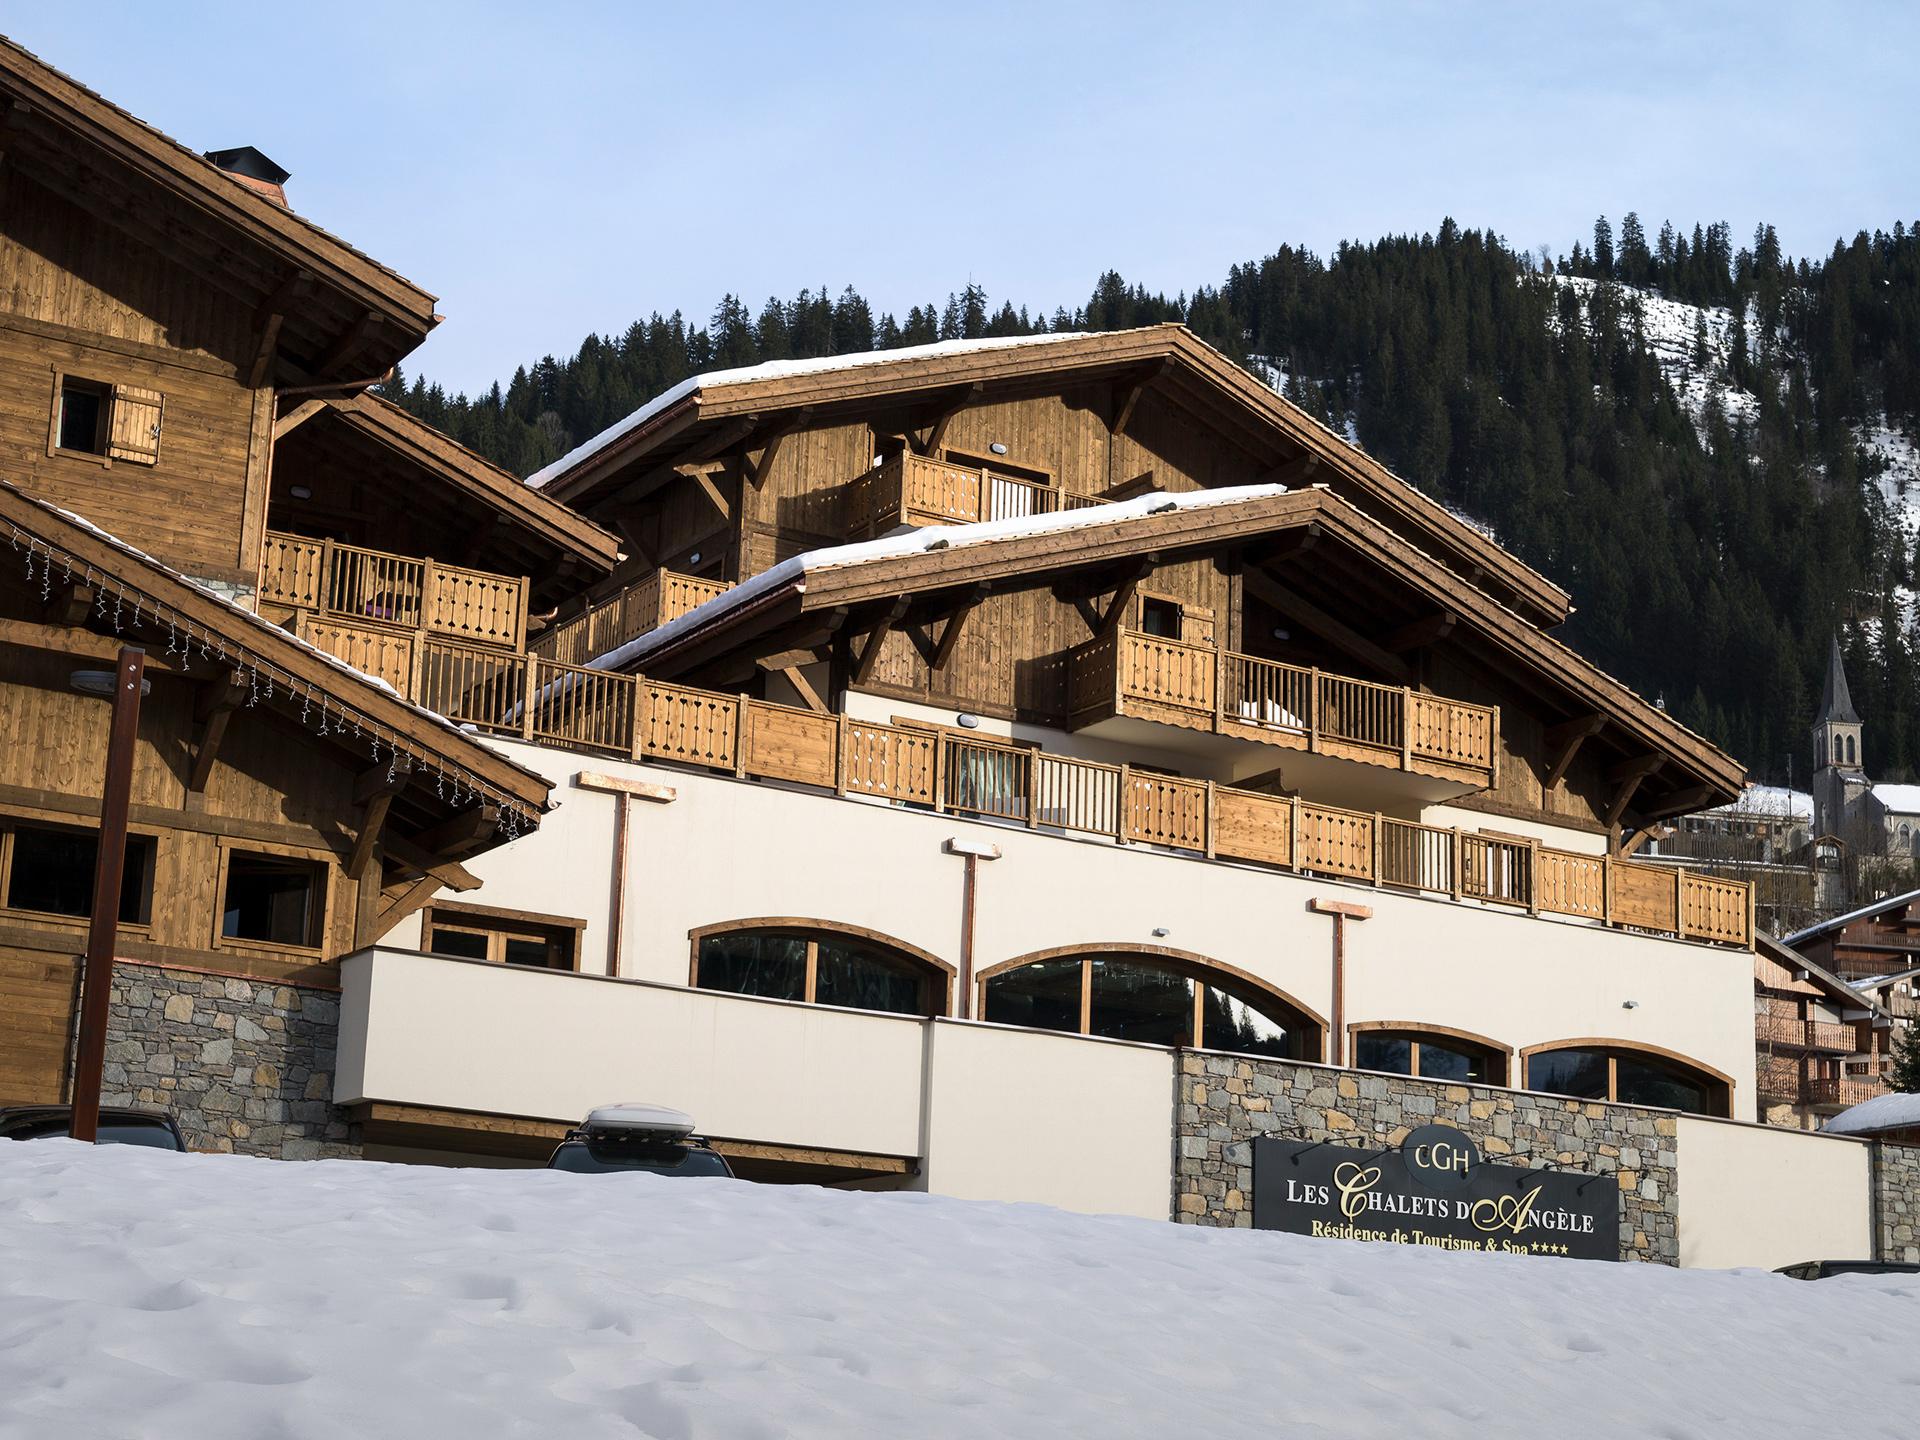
[{"x": 1433, "y": 1190}]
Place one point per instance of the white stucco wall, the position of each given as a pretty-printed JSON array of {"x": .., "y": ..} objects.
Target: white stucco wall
[
  {"x": 723, "y": 850},
  {"x": 1754, "y": 1195},
  {"x": 1025, "y": 1115}
]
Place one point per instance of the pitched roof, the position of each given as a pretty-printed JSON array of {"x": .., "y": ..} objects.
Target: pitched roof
[
  {"x": 1034, "y": 549},
  {"x": 1894, "y": 1111},
  {"x": 1836, "y": 705},
  {"x": 1824, "y": 979},
  {"x": 150, "y": 595},
  {"x": 55, "y": 105},
  {"x": 1837, "y": 922},
  {"x": 1171, "y": 359}
]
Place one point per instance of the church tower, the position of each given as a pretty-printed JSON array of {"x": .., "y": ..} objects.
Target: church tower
[{"x": 1839, "y": 775}]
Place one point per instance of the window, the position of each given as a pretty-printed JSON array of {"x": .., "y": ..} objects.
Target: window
[
  {"x": 1850, "y": 753},
  {"x": 1839, "y": 752},
  {"x": 273, "y": 899},
  {"x": 1160, "y": 617},
  {"x": 1628, "y": 1076},
  {"x": 817, "y": 965},
  {"x": 49, "y": 870},
  {"x": 505, "y": 937},
  {"x": 1151, "y": 998},
  {"x": 113, "y": 422},
  {"x": 1432, "y": 1055}
]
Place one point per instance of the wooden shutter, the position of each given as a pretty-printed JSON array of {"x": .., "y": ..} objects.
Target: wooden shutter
[{"x": 136, "y": 425}]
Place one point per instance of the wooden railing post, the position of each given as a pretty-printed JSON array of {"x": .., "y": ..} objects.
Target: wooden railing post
[
  {"x": 1406, "y": 727},
  {"x": 642, "y": 705},
  {"x": 1313, "y": 714},
  {"x": 940, "y": 763},
  {"x": 1606, "y": 890},
  {"x": 1680, "y": 901},
  {"x": 1219, "y": 688},
  {"x": 840, "y": 756},
  {"x": 323, "y": 596},
  {"x": 740, "y": 737},
  {"x": 1459, "y": 860},
  {"x": 1533, "y": 877},
  {"x": 530, "y": 677},
  {"x": 416, "y": 671},
  {"x": 1207, "y": 819},
  {"x": 1126, "y": 803},
  {"x": 1379, "y": 829},
  {"x": 1293, "y": 833}
]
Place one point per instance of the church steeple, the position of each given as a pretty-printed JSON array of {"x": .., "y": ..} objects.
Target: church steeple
[{"x": 1835, "y": 703}]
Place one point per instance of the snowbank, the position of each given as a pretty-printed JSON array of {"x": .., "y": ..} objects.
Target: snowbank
[
  {"x": 1897, "y": 1111},
  {"x": 153, "y": 1295}
]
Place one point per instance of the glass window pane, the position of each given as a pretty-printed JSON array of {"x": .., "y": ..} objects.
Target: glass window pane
[
  {"x": 521, "y": 950},
  {"x": 1132, "y": 1001},
  {"x": 1044, "y": 995},
  {"x": 1579, "y": 1073},
  {"x": 1377, "y": 1050},
  {"x": 80, "y": 418},
  {"x": 1644, "y": 1082},
  {"x": 1232, "y": 1024},
  {"x": 1444, "y": 1062},
  {"x": 464, "y": 944},
  {"x": 53, "y": 873},
  {"x": 774, "y": 966},
  {"x": 867, "y": 980},
  {"x": 269, "y": 898}
]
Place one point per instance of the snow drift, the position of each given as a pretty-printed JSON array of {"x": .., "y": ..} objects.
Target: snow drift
[{"x": 154, "y": 1295}]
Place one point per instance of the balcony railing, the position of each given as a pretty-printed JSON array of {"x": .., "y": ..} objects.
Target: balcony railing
[
  {"x": 911, "y": 489},
  {"x": 1292, "y": 706},
  {"x": 1843, "y": 1091},
  {"x": 643, "y": 719},
  {"x": 663, "y": 596},
  {"x": 1905, "y": 1007},
  {"x": 1779, "y": 1078},
  {"x": 330, "y": 581},
  {"x": 1791, "y": 1032}
]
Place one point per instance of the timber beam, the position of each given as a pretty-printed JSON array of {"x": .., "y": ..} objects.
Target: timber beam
[
  {"x": 1127, "y": 393},
  {"x": 1626, "y": 778},
  {"x": 876, "y": 639},
  {"x": 411, "y": 855},
  {"x": 955, "y": 401},
  {"x": 297, "y": 417},
  {"x": 756, "y": 470},
  {"x": 374, "y": 792},
  {"x": 1299, "y": 608},
  {"x": 212, "y": 709},
  {"x": 1429, "y": 630},
  {"x": 349, "y": 344},
  {"x": 1564, "y": 742},
  {"x": 1294, "y": 474}
]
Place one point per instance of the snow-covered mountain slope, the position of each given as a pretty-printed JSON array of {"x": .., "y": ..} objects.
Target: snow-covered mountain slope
[{"x": 153, "y": 1295}]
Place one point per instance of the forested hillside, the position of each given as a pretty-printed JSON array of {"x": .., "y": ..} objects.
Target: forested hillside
[{"x": 1710, "y": 447}]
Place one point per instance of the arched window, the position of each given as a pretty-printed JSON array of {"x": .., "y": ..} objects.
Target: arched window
[
  {"x": 1151, "y": 994},
  {"x": 1433, "y": 1053},
  {"x": 1850, "y": 755},
  {"x": 1630, "y": 1074},
  {"x": 1839, "y": 751},
  {"x": 819, "y": 963}
]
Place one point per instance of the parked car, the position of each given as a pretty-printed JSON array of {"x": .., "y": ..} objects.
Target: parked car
[
  {"x": 118, "y": 1125},
  {"x": 1827, "y": 1269},
  {"x": 651, "y": 1138}
]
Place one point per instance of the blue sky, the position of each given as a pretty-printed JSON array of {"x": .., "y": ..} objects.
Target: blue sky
[{"x": 553, "y": 169}]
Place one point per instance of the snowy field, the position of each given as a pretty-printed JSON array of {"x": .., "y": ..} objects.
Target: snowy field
[{"x": 206, "y": 1297}]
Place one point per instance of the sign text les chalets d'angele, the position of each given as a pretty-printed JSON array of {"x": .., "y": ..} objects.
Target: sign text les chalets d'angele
[{"x": 1434, "y": 1189}]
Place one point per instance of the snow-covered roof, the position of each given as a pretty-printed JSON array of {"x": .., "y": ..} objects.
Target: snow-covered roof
[
  {"x": 1897, "y": 1111},
  {"x": 924, "y": 541},
  {"x": 1889, "y": 902},
  {"x": 780, "y": 370},
  {"x": 1770, "y": 802},
  {"x": 1899, "y": 799}
]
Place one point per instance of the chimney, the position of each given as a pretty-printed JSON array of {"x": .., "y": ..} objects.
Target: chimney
[{"x": 253, "y": 170}]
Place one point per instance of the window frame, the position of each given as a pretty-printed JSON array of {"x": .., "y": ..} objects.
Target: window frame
[
  {"x": 322, "y": 862},
  {"x": 103, "y": 427},
  {"x": 937, "y": 978},
  {"x": 1500, "y": 1055},
  {"x": 12, "y": 821},
  {"x": 1718, "y": 1087},
  {"x": 563, "y": 933}
]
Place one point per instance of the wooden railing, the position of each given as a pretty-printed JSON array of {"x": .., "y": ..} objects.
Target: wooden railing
[
  {"x": 371, "y": 587},
  {"x": 1129, "y": 672},
  {"x": 911, "y": 489},
  {"x": 1907, "y": 1007},
  {"x": 1843, "y": 1090},
  {"x": 609, "y": 712},
  {"x": 1795, "y": 1033},
  {"x": 1778, "y": 1077},
  {"x": 663, "y": 596}
]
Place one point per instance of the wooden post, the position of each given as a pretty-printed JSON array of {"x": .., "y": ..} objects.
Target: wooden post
[
  {"x": 323, "y": 591},
  {"x": 110, "y": 859},
  {"x": 416, "y": 667},
  {"x": 642, "y": 704},
  {"x": 1033, "y": 798},
  {"x": 740, "y": 737},
  {"x": 940, "y": 778},
  {"x": 840, "y": 756},
  {"x": 1533, "y": 878},
  {"x": 427, "y": 591},
  {"x": 1606, "y": 890},
  {"x": 1378, "y": 827},
  {"x": 1406, "y": 727},
  {"x": 529, "y": 678},
  {"x": 1680, "y": 901},
  {"x": 1459, "y": 856},
  {"x": 1313, "y": 710},
  {"x": 1219, "y": 688},
  {"x": 1126, "y": 803},
  {"x": 1293, "y": 832}
]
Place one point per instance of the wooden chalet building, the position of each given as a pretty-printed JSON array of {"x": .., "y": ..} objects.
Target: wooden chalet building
[
  {"x": 1823, "y": 1044},
  {"x": 1074, "y": 684},
  {"x": 185, "y": 440}
]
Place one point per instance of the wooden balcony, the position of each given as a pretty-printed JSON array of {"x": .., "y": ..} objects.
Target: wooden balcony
[
  {"x": 1778, "y": 1078},
  {"x": 1841, "y": 1092},
  {"x": 1904, "y": 1007},
  {"x": 1198, "y": 687},
  {"x": 606, "y": 712},
  {"x": 663, "y": 596},
  {"x": 329, "y": 582},
  {"x": 1791, "y": 1033},
  {"x": 914, "y": 489}
]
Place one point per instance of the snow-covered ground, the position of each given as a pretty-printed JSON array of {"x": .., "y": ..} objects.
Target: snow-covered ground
[{"x": 207, "y": 1297}]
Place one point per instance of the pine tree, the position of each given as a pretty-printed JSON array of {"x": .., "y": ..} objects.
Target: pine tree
[{"x": 1905, "y": 1075}]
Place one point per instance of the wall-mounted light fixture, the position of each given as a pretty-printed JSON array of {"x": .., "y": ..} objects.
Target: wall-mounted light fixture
[
  {"x": 694, "y": 558},
  {"x": 1159, "y": 932},
  {"x": 302, "y": 492},
  {"x": 997, "y": 448},
  {"x": 968, "y": 721},
  {"x": 1629, "y": 1004},
  {"x": 1280, "y": 632}
]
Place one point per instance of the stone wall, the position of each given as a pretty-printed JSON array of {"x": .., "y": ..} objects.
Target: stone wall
[
  {"x": 243, "y": 1065},
  {"x": 1224, "y": 1101},
  {"x": 1896, "y": 1201}
]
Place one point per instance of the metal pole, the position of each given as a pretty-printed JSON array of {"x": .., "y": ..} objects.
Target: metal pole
[{"x": 103, "y": 928}]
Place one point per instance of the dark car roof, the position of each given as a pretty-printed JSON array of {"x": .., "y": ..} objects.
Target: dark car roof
[{"x": 14, "y": 1118}]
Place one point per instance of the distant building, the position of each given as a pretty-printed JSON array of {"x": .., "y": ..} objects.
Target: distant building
[
  {"x": 1820, "y": 1043},
  {"x": 1875, "y": 820}
]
